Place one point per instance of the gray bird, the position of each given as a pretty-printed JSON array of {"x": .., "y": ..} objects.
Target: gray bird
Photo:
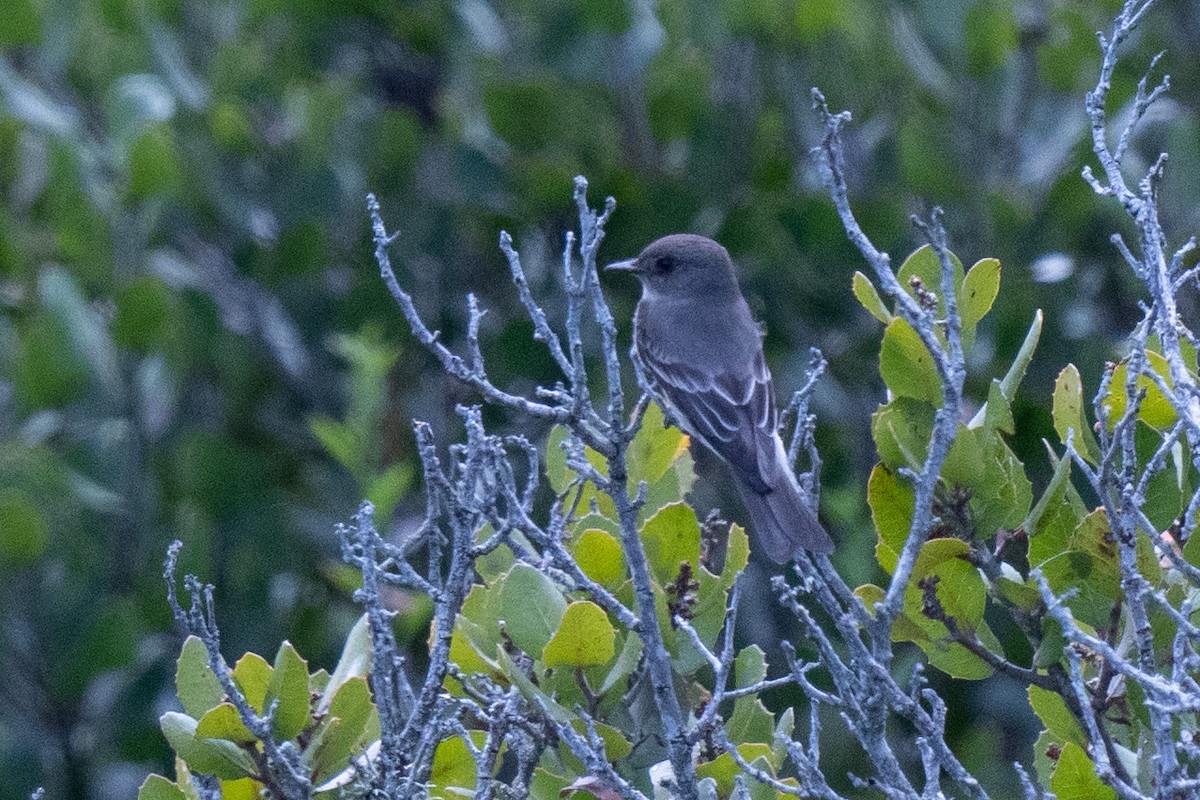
[{"x": 700, "y": 352}]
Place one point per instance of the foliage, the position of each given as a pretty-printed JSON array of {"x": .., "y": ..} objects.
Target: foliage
[
  {"x": 543, "y": 667},
  {"x": 192, "y": 343}
]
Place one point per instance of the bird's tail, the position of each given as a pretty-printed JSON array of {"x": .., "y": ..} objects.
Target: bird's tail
[{"x": 783, "y": 522}]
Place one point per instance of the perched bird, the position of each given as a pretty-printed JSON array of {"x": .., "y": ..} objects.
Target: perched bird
[{"x": 700, "y": 352}]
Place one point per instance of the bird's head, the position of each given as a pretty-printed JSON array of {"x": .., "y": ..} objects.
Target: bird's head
[{"x": 683, "y": 266}]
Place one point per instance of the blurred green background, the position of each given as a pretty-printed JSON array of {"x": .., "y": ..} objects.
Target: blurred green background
[{"x": 195, "y": 344}]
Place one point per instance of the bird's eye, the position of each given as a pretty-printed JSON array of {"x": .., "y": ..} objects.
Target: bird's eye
[{"x": 664, "y": 263}]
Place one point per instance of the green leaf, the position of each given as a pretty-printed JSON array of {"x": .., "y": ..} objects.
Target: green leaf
[
  {"x": 1016, "y": 373},
  {"x": 1055, "y": 516},
  {"x": 388, "y": 488},
  {"x": 528, "y": 689},
  {"x": 48, "y": 371},
  {"x": 1095, "y": 591},
  {"x": 60, "y": 293},
  {"x": 556, "y": 460},
  {"x": 1094, "y": 536},
  {"x": 252, "y": 674},
  {"x": 906, "y": 366},
  {"x": 997, "y": 412},
  {"x": 1156, "y": 410},
  {"x": 223, "y": 722},
  {"x": 750, "y": 667},
  {"x": 960, "y": 591},
  {"x": 655, "y": 447},
  {"x": 477, "y": 631},
  {"x": 19, "y": 24},
  {"x": 901, "y": 430},
  {"x": 723, "y": 769},
  {"x": 991, "y": 34},
  {"x": 531, "y": 607},
  {"x": 584, "y": 637},
  {"x": 892, "y": 504},
  {"x": 870, "y": 595},
  {"x": 750, "y": 721},
  {"x": 242, "y": 789},
  {"x": 453, "y": 773},
  {"x": 1050, "y": 651},
  {"x": 923, "y": 263},
  {"x": 864, "y": 290},
  {"x": 626, "y": 663},
  {"x": 354, "y": 662},
  {"x": 339, "y": 440},
  {"x": 154, "y": 165},
  {"x": 1075, "y": 777},
  {"x": 156, "y": 787},
  {"x": 24, "y": 532},
  {"x": 145, "y": 311},
  {"x": 998, "y": 492},
  {"x": 616, "y": 746},
  {"x": 1052, "y": 710},
  {"x": 783, "y": 735},
  {"x": 671, "y": 537},
  {"x": 1022, "y": 593},
  {"x": 468, "y": 646},
  {"x": 195, "y": 683},
  {"x": 289, "y": 685},
  {"x": 349, "y": 711},
  {"x": 223, "y": 759},
  {"x": 737, "y": 555},
  {"x": 1068, "y": 413},
  {"x": 500, "y": 560},
  {"x": 600, "y": 557},
  {"x": 979, "y": 290}
]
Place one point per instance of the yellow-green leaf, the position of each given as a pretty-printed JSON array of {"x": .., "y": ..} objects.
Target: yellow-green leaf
[
  {"x": 1155, "y": 410},
  {"x": 252, "y": 674},
  {"x": 196, "y": 684},
  {"x": 453, "y": 770},
  {"x": 864, "y": 290},
  {"x": 979, "y": 290},
  {"x": 1075, "y": 777},
  {"x": 1069, "y": 415},
  {"x": 156, "y": 787},
  {"x": 924, "y": 264},
  {"x": 1052, "y": 710},
  {"x": 892, "y": 502},
  {"x": 655, "y": 447},
  {"x": 723, "y": 769},
  {"x": 907, "y": 366},
  {"x": 584, "y": 637},
  {"x": 223, "y": 722},
  {"x": 599, "y": 555},
  {"x": 671, "y": 537}
]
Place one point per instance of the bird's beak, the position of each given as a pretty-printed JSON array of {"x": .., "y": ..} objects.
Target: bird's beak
[{"x": 628, "y": 265}]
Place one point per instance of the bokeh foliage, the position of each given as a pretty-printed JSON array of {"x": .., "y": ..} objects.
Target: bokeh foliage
[{"x": 194, "y": 342}]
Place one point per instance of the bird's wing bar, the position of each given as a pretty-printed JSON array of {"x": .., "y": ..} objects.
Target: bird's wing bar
[{"x": 732, "y": 415}]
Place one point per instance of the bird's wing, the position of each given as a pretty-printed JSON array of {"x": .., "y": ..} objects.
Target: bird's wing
[{"x": 731, "y": 414}]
